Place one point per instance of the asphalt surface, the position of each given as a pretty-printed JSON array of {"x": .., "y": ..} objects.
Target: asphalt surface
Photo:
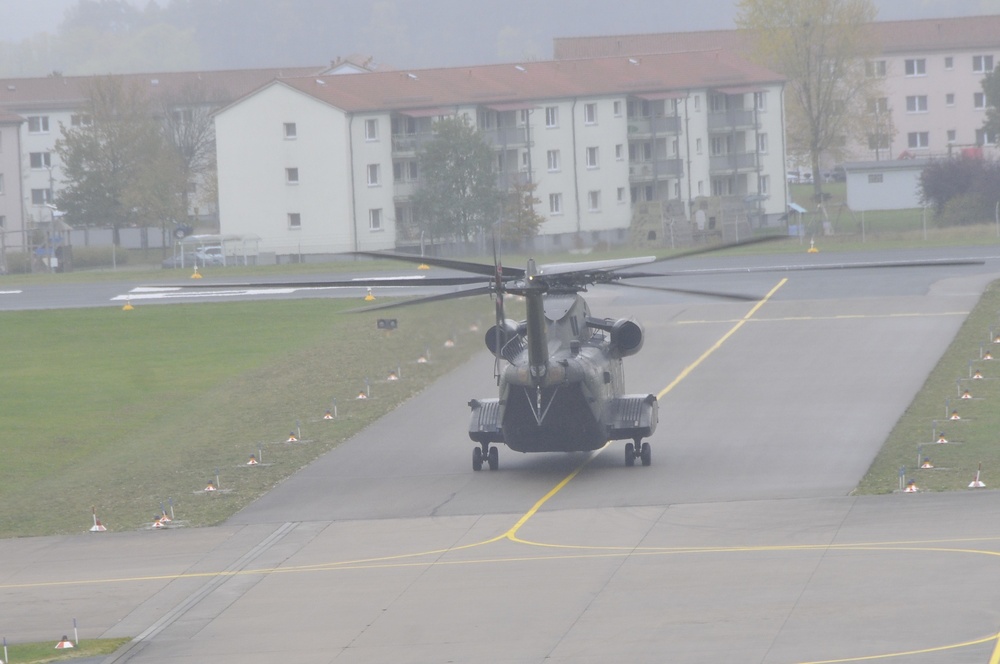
[{"x": 741, "y": 543}]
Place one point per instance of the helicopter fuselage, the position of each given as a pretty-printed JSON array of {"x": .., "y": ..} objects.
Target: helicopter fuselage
[{"x": 562, "y": 389}]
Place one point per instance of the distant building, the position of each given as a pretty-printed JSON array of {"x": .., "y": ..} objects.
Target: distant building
[
  {"x": 331, "y": 166},
  {"x": 932, "y": 68},
  {"x": 12, "y": 229},
  {"x": 32, "y": 111},
  {"x": 891, "y": 184}
]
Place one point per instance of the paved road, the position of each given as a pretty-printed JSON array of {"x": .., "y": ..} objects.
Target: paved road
[{"x": 741, "y": 543}]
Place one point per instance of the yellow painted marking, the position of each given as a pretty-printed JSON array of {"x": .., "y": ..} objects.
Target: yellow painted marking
[
  {"x": 718, "y": 344},
  {"x": 782, "y": 319}
]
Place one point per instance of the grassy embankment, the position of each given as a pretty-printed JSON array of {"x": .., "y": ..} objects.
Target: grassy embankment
[{"x": 125, "y": 410}]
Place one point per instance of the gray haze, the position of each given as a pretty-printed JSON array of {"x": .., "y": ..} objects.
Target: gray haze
[{"x": 438, "y": 33}]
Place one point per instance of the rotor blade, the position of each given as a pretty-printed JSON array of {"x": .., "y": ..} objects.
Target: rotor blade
[
  {"x": 943, "y": 262},
  {"x": 362, "y": 282},
  {"x": 451, "y": 264},
  {"x": 482, "y": 290},
  {"x": 722, "y": 247},
  {"x": 688, "y": 291}
]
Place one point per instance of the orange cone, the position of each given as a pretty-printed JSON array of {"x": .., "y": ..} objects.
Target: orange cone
[
  {"x": 211, "y": 486},
  {"x": 941, "y": 439},
  {"x": 291, "y": 437},
  {"x": 328, "y": 416},
  {"x": 911, "y": 487},
  {"x": 955, "y": 415},
  {"x": 253, "y": 460},
  {"x": 926, "y": 463},
  {"x": 64, "y": 642}
]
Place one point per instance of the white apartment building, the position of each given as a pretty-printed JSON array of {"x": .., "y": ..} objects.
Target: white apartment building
[
  {"x": 328, "y": 164},
  {"x": 33, "y": 110},
  {"x": 932, "y": 70}
]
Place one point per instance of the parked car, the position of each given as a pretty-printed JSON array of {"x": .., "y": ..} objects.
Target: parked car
[
  {"x": 210, "y": 255},
  {"x": 190, "y": 260}
]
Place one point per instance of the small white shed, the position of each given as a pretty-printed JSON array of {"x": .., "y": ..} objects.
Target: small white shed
[{"x": 892, "y": 184}]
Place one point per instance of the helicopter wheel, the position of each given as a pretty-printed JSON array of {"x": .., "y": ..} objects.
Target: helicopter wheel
[
  {"x": 493, "y": 458},
  {"x": 646, "y": 454},
  {"x": 629, "y": 454},
  {"x": 477, "y": 458}
]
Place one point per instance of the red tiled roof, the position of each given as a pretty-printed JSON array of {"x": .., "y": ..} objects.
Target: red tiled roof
[
  {"x": 69, "y": 91},
  {"x": 491, "y": 84},
  {"x": 935, "y": 34}
]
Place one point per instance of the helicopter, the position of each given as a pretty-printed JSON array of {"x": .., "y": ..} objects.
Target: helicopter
[{"x": 560, "y": 371}]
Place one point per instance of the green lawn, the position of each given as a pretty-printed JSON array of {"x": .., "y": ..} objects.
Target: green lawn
[{"x": 125, "y": 410}]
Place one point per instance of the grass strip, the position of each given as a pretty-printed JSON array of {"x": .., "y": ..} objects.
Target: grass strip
[{"x": 973, "y": 439}]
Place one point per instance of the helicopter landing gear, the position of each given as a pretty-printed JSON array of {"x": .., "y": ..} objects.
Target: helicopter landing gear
[
  {"x": 485, "y": 453},
  {"x": 636, "y": 451}
]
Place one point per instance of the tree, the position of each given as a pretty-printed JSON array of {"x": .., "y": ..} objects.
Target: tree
[
  {"x": 962, "y": 190},
  {"x": 190, "y": 130},
  {"x": 457, "y": 194},
  {"x": 117, "y": 167},
  {"x": 991, "y": 87},
  {"x": 520, "y": 221},
  {"x": 822, "y": 47}
]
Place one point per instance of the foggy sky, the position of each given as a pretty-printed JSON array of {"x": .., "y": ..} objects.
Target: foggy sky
[{"x": 505, "y": 33}]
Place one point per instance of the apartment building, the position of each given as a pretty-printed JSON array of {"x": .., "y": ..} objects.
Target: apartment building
[
  {"x": 33, "y": 111},
  {"x": 327, "y": 164},
  {"x": 932, "y": 70},
  {"x": 11, "y": 227}
]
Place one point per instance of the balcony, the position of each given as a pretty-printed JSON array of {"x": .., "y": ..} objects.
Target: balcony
[
  {"x": 649, "y": 126},
  {"x": 410, "y": 143},
  {"x": 655, "y": 170},
  {"x": 735, "y": 161},
  {"x": 505, "y": 136},
  {"x": 731, "y": 119}
]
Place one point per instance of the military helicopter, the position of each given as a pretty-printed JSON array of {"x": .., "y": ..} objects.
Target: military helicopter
[
  {"x": 562, "y": 380},
  {"x": 560, "y": 371}
]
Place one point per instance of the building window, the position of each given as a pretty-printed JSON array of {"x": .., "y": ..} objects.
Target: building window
[
  {"x": 38, "y": 124},
  {"x": 594, "y": 200},
  {"x": 76, "y": 120},
  {"x": 617, "y": 108},
  {"x": 1, "y": 187},
  {"x": 879, "y": 105},
  {"x": 41, "y": 196},
  {"x": 765, "y": 184},
  {"x": 371, "y": 129},
  {"x": 294, "y": 220},
  {"x": 3, "y": 219},
  {"x": 551, "y": 116},
  {"x": 982, "y": 64},
  {"x": 697, "y": 146},
  {"x": 916, "y": 104},
  {"x": 951, "y": 135},
  {"x": 553, "y": 160},
  {"x": 916, "y": 67},
  {"x": 875, "y": 69},
  {"x": 762, "y": 143},
  {"x": 878, "y": 142},
  {"x": 291, "y": 131},
  {"x": 979, "y": 100},
  {"x": 697, "y": 102},
  {"x": 619, "y": 152},
  {"x": 375, "y": 219},
  {"x": 555, "y": 203},
  {"x": 984, "y": 137},
  {"x": 374, "y": 175},
  {"x": 874, "y": 178},
  {"x": 592, "y": 160},
  {"x": 917, "y": 139},
  {"x": 292, "y": 175},
  {"x": 40, "y": 160},
  {"x": 590, "y": 114},
  {"x": 621, "y": 194},
  {"x": 949, "y": 99},
  {"x": 760, "y": 101}
]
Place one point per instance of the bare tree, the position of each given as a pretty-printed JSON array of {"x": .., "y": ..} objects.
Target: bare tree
[{"x": 822, "y": 47}]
